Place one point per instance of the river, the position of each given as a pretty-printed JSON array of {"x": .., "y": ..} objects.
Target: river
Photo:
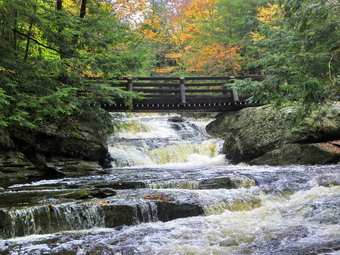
[{"x": 171, "y": 191}]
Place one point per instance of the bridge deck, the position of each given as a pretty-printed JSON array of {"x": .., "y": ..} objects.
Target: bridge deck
[{"x": 179, "y": 94}]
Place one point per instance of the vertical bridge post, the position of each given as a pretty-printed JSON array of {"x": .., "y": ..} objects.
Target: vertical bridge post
[
  {"x": 130, "y": 88},
  {"x": 235, "y": 96},
  {"x": 182, "y": 90}
]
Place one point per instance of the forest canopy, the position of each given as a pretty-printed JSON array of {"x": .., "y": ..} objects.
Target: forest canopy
[{"x": 49, "y": 47}]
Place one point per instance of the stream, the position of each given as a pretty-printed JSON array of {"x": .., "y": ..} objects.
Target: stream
[{"x": 170, "y": 190}]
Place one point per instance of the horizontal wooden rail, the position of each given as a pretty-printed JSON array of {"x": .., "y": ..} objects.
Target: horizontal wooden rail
[{"x": 174, "y": 92}]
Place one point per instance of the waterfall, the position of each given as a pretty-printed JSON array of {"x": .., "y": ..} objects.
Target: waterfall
[
  {"x": 54, "y": 218},
  {"x": 50, "y": 219},
  {"x": 163, "y": 140}
]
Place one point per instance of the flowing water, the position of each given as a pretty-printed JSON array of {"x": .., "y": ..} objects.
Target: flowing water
[{"x": 171, "y": 191}]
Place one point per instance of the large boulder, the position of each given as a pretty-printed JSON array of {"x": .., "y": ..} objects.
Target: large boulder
[
  {"x": 32, "y": 152},
  {"x": 265, "y": 135},
  {"x": 69, "y": 139}
]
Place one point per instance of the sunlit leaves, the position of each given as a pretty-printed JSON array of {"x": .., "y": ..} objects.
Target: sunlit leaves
[
  {"x": 297, "y": 46},
  {"x": 268, "y": 14},
  {"x": 217, "y": 59},
  {"x": 46, "y": 52}
]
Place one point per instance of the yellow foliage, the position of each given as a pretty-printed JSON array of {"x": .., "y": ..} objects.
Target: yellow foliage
[
  {"x": 256, "y": 36},
  {"x": 216, "y": 58},
  {"x": 268, "y": 14},
  {"x": 89, "y": 73},
  {"x": 173, "y": 55},
  {"x": 167, "y": 69},
  {"x": 3, "y": 69}
]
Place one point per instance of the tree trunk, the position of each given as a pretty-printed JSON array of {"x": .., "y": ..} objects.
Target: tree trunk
[
  {"x": 83, "y": 8},
  {"x": 28, "y": 41},
  {"x": 59, "y": 5},
  {"x": 81, "y": 15},
  {"x": 15, "y": 37}
]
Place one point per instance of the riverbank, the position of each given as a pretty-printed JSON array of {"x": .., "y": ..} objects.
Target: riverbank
[
  {"x": 268, "y": 136},
  {"x": 51, "y": 150}
]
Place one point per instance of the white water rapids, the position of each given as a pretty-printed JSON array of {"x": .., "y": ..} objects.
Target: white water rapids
[{"x": 291, "y": 210}]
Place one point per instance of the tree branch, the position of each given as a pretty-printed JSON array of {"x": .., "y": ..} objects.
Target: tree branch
[{"x": 36, "y": 41}]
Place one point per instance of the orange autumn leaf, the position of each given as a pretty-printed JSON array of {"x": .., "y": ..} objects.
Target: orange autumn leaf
[
  {"x": 167, "y": 69},
  {"x": 173, "y": 55}
]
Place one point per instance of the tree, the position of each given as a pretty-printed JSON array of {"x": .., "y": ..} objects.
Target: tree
[
  {"x": 205, "y": 37},
  {"x": 48, "y": 47},
  {"x": 298, "y": 43}
]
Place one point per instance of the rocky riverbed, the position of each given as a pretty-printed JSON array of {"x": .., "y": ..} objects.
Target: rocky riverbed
[{"x": 171, "y": 191}]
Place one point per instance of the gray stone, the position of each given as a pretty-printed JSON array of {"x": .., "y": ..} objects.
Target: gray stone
[
  {"x": 177, "y": 118},
  {"x": 26, "y": 152},
  {"x": 264, "y": 135}
]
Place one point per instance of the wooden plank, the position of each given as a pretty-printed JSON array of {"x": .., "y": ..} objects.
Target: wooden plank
[
  {"x": 205, "y": 90},
  {"x": 211, "y": 84},
  {"x": 159, "y": 91},
  {"x": 156, "y": 79},
  {"x": 159, "y": 101},
  {"x": 207, "y": 102},
  {"x": 155, "y": 84},
  {"x": 159, "y": 96},
  {"x": 203, "y": 99}
]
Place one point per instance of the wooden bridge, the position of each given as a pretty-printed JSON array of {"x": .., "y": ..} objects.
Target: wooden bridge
[{"x": 180, "y": 94}]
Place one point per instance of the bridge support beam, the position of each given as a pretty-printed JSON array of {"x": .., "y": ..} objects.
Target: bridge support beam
[
  {"x": 235, "y": 96},
  {"x": 182, "y": 90},
  {"x": 130, "y": 88}
]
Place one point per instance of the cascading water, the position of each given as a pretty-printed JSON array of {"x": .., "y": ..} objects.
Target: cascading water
[
  {"x": 162, "y": 140},
  {"x": 170, "y": 191}
]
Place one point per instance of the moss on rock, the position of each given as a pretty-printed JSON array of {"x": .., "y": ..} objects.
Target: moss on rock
[{"x": 265, "y": 135}]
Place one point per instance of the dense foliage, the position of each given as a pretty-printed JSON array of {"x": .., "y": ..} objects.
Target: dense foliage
[
  {"x": 299, "y": 50},
  {"x": 48, "y": 47}
]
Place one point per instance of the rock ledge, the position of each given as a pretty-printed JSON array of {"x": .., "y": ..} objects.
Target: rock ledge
[{"x": 264, "y": 135}]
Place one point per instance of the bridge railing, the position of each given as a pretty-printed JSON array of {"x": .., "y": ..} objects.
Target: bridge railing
[
  {"x": 178, "y": 93},
  {"x": 184, "y": 90}
]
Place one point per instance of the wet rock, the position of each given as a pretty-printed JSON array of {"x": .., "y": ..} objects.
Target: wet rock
[
  {"x": 126, "y": 185},
  {"x": 263, "y": 135},
  {"x": 171, "y": 210},
  {"x": 14, "y": 161},
  {"x": 119, "y": 215},
  {"x": 33, "y": 149},
  {"x": 329, "y": 180},
  {"x": 73, "y": 139},
  {"x": 74, "y": 167},
  {"x": 6, "y": 142},
  {"x": 228, "y": 242},
  {"x": 303, "y": 154},
  {"x": 227, "y": 183},
  {"x": 177, "y": 118},
  {"x": 96, "y": 193}
]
